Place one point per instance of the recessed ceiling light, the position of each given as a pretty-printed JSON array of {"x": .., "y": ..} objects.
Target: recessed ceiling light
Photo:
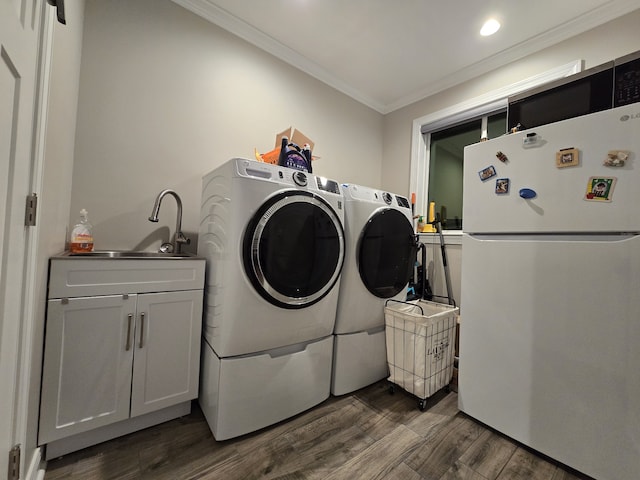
[{"x": 490, "y": 27}]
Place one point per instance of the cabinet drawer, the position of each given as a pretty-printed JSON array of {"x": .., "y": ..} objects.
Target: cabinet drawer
[
  {"x": 91, "y": 277},
  {"x": 246, "y": 393},
  {"x": 362, "y": 360}
]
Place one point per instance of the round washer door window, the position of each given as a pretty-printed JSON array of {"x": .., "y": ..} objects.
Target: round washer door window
[
  {"x": 293, "y": 249},
  {"x": 386, "y": 253}
]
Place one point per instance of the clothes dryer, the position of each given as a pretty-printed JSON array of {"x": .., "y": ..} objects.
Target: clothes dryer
[
  {"x": 379, "y": 260},
  {"x": 274, "y": 242}
]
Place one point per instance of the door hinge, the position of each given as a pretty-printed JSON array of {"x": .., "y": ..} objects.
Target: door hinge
[
  {"x": 31, "y": 210},
  {"x": 14, "y": 463}
]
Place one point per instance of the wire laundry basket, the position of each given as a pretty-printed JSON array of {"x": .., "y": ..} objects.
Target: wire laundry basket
[{"x": 420, "y": 337}]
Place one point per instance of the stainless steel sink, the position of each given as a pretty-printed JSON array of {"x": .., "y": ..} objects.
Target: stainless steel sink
[{"x": 126, "y": 254}]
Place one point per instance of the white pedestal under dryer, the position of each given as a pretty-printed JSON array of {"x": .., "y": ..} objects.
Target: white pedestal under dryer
[
  {"x": 274, "y": 242},
  {"x": 379, "y": 260}
]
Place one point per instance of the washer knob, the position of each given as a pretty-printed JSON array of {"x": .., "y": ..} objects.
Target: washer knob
[
  {"x": 300, "y": 179},
  {"x": 386, "y": 196}
]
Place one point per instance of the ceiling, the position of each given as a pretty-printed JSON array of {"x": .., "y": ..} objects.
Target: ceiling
[{"x": 389, "y": 53}]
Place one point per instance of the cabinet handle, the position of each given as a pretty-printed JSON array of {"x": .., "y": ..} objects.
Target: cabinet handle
[
  {"x": 141, "y": 344},
  {"x": 129, "y": 322}
]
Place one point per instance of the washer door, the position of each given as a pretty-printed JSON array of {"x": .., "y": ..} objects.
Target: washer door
[
  {"x": 293, "y": 249},
  {"x": 386, "y": 253}
]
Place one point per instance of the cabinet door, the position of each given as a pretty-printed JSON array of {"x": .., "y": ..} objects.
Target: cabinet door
[
  {"x": 86, "y": 376},
  {"x": 167, "y": 350}
]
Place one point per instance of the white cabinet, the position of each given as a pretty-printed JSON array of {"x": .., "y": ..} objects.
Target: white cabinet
[
  {"x": 109, "y": 358},
  {"x": 86, "y": 377},
  {"x": 167, "y": 352}
]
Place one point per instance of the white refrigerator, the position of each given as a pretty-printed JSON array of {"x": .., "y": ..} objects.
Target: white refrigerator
[{"x": 550, "y": 301}]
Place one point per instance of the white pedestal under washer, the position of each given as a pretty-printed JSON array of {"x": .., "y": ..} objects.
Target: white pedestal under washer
[
  {"x": 379, "y": 259},
  {"x": 274, "y": 242}
]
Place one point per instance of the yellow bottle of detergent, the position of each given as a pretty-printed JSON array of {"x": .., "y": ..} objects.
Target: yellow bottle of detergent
[{"x": 429, "y": 228}]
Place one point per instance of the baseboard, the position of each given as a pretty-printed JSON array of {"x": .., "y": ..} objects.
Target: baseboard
[
  {"x": 82, "y": 440},
  {"x": 36, "y": 467}
]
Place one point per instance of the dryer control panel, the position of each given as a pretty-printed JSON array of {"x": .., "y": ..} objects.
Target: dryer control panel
[{"x": 327, "y": 185}]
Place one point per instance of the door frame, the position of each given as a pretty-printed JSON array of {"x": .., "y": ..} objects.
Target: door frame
[{"x": 31, "y": 455}]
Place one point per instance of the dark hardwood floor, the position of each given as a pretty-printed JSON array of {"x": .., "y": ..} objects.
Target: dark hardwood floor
[{"x": 369, "y": 434}]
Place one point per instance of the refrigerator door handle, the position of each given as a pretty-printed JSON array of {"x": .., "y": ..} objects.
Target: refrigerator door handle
[{"x": 555, "y": 237}]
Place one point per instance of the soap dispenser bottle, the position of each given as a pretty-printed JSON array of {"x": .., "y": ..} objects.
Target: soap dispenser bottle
[{"x": 82, "y": 235}]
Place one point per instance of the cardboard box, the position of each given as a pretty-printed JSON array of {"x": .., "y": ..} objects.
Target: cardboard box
[{"x": 294, "y": 136}]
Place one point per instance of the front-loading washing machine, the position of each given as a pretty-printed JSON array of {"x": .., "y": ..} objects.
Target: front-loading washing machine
[
  {"x": 379, "y": 260},
  {"x": 274, "y": 242}
]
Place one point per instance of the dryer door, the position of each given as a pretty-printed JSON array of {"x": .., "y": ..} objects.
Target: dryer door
[
  {"x": 293, "y": 249},
  {"x": 386, "y": 253}
]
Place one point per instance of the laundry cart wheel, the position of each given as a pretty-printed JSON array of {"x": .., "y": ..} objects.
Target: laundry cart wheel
[
  {"x": 392, "y": 389},
  {"x": 422, "y": 404}
]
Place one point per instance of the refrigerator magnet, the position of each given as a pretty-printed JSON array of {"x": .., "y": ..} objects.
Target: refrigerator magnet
[
  {"x": 502, "y": 157},
  {"x": 530, "y": 140},
  {"x": 527, "y": 193},
  {"x": 487, "y": 173},
  {"x": 600, "y": 189},
  {"x": 616, "y": 158},
  {"x": 567, "y": 157},
  {"x": 502, "y": 186}
]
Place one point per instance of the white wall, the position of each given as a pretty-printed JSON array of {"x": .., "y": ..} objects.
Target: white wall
[
  {"x": 611, "y": 40},
  {"x": 166, "y": 96}
]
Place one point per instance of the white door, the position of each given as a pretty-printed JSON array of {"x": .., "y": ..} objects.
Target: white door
[
  {"x": 86, "y": 377},
  {"x": 549, "y": 347},
  {"x": 19, "y": 27},
  {"x": 561, "y": 203},
  {"x": 167, "y": 350}
]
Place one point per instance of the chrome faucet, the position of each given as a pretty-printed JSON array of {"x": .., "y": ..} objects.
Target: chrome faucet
[{"x": 178, "y": 237}]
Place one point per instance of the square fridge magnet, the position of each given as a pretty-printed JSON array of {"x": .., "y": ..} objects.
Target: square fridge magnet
[
  {"x": 502, "y": 186},
  {"x": 600, "y": 189},
  {"x": 567, "y": 157},
  {"x": 487, "y": 173}
]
